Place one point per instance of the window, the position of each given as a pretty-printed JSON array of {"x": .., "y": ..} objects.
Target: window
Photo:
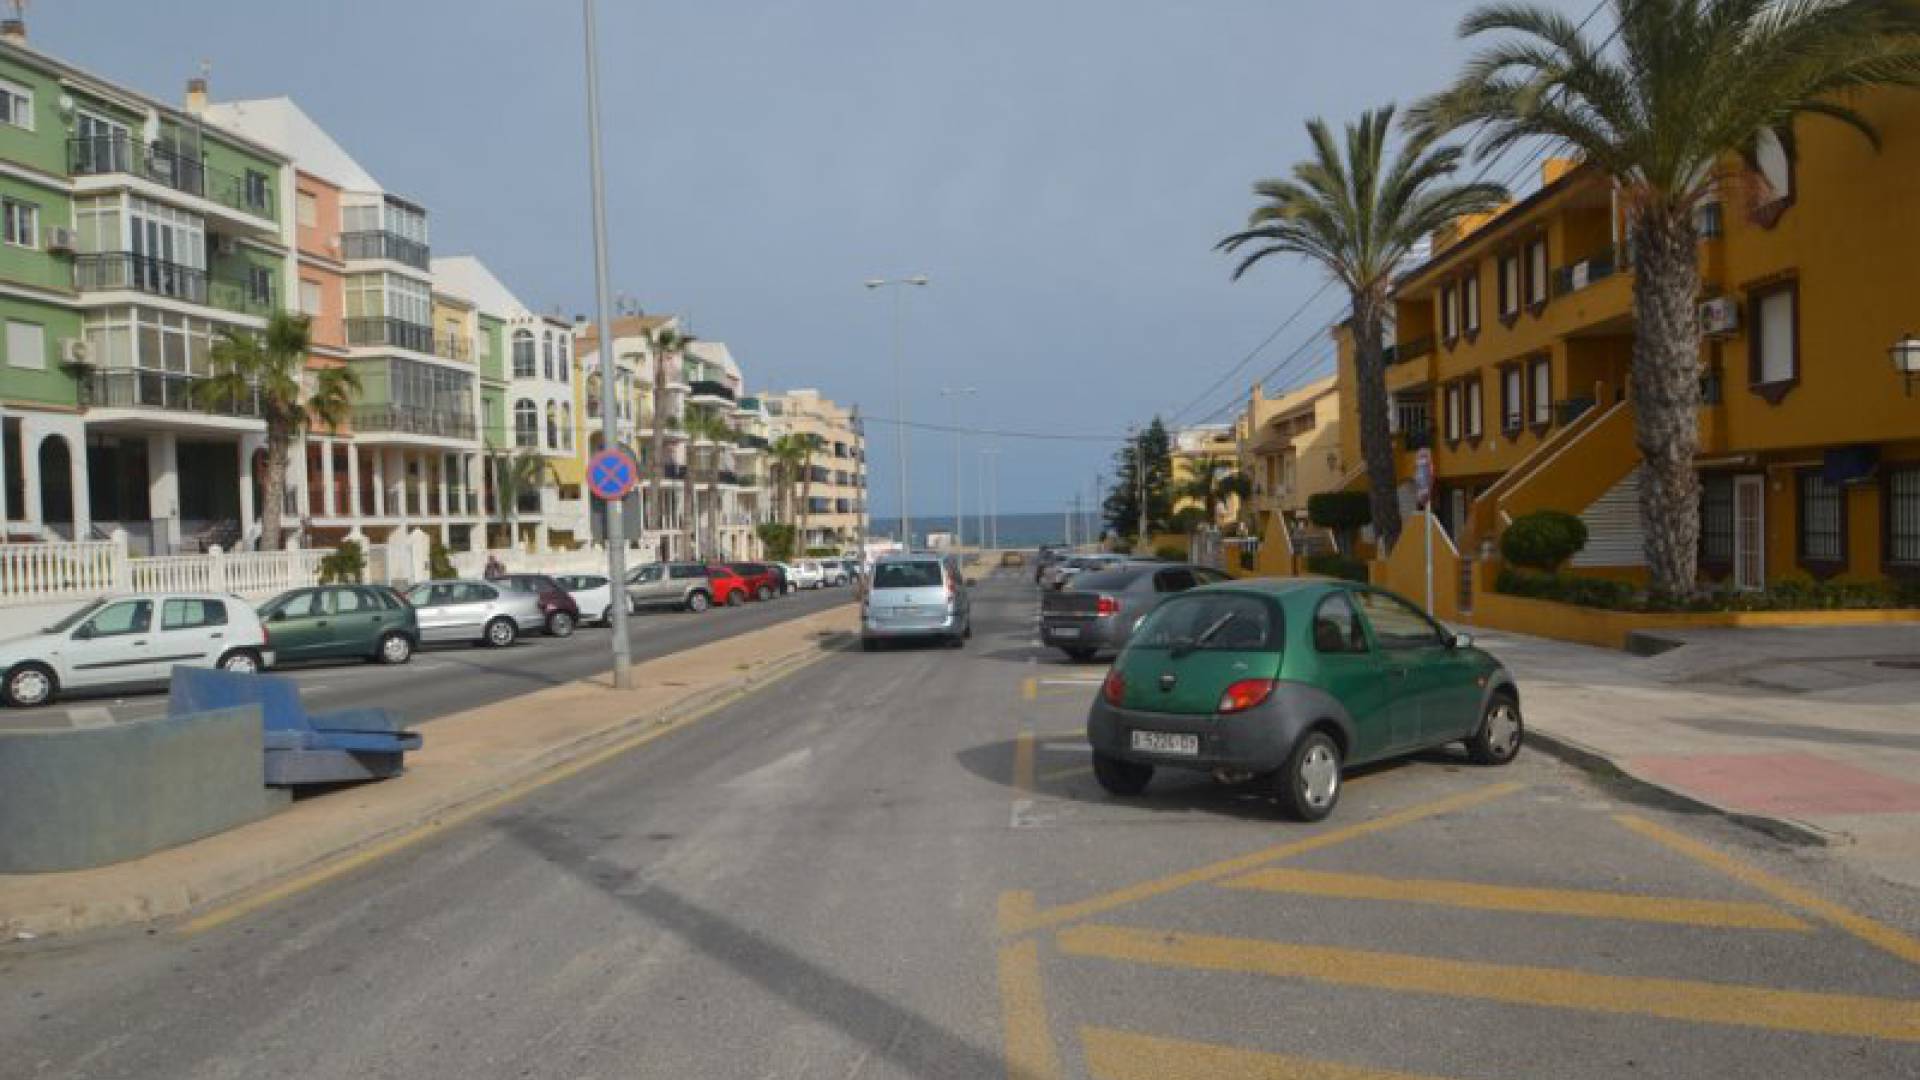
[
  {"x": 1449, "y": 313},
  {"x": 566, "y": 364},
  {"x": 16, "y": 105},
  {"x": 192, "y": 614},
  {"x": 1173, "y": 581},
  {"x": 1540, "y": 374},
  {"x": 149, "y": 338},
  {"x": 1509, "y": 286},
  {"x": 553, "y": 426},
  {"x": 300, "y": 605},
  {"x": 1903, "y": 517},
  {"x": 526, "y": 423},
  {"x": 1396, "y": 625},
  {"x": 1336, "y": 626},
  {"x": 125, "y": 617},
  {"x": 259, "y": 189},
  {"x": 1453, "y": 413},
  {"x": 523, "y": 355},
  {"x": 1716, "y": 521},
  {"x": 1775, "y": 166},
  {"x": 26, "y": 345},
  {"x": 1228, "y": 622},
  {"x": 566, "y": 427},
  {"x": 307, "y": 207},
  {"x": 1512, "y": 407},
  {"x": 483, "y": 344},
  {"x": 309, "y": 297},
  {"x": 23, "y": 223},
  {"x": 259, "y": 285},
  {"x": 546, "y": 355},
  {"x": 1470, "y": 292},
  {"x": 1473, "y": 408},
  {"x": 1823, "y": 521},
  {"x": 1537, "y": 272},
  {"x": 1774, "y": 359}
]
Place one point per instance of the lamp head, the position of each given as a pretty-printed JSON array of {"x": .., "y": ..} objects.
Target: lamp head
[
  {"x": 874, "y": 283},
  {"x": 917, "y": 279}
]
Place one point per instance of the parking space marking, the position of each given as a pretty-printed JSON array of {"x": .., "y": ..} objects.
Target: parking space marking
[
  {"x": 1581, "y": 903},
  {"x": 1874, "y": 933},
  {"x": 1062, "y": 774},
  {"x": 1030, "y": 1053},
  {"x": 89, "y": 716},
  {"x": 1672, "y": 999},
  {"x": 1123, "y": 1055}
]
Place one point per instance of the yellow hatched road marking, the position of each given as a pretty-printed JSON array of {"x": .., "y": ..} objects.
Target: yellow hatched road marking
[
  {"x": 1238, "y": 865},
  {"x": 1673, "y": 999},
  {"x": 1122, "y": 1055},
  {"x": 1029, "y": 688},
  {"x": 1874, "y": 933},
  {"x": 1577, "y": 902},
  {"x": 1030, "y": 1051},
  {"x": 1062, "y": 774}
]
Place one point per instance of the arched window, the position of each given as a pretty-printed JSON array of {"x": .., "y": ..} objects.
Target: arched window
[
  {"x": 526, "y": 422},
  {"x": 593, "y": 397},
  {"x": 566, "y": 359},
  {"x": 546, "y": 354},
  {"x": 566, "y": 426},
  {"x": 523, "y": 355},
  {"x": 553, "y": 426}
]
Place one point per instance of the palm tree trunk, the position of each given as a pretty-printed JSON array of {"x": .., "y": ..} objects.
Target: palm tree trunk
[
  {"x": 713, "y": 504},
  {"x": 689, "y": 527},
  {"x": 1665, "y": 384},
  {"x": 1376, "y": 442},
  {"x": 806, "y": 506},
  {"x": 657, "y": 491},
  {"x": 274, "y": 490}
]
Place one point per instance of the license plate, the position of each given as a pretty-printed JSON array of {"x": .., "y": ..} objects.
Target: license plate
[
  {"x": 1161, "y": 742},
  {"x": 1064, "y": 631}
]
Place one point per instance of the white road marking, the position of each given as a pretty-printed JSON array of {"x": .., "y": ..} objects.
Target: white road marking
[
  {"x": 774, "y": 772},
  {"x": 90, "y": 716},
  {"x": 1089, "y": 681}
]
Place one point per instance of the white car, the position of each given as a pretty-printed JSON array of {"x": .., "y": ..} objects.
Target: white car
[
  {"x": 834, "y": 572},
  {"x": 806, "y": 574},
  {"x": 133, "y": 640},
  {"x": 594, "y": 594},
  {"x": 786, "y": 574}
]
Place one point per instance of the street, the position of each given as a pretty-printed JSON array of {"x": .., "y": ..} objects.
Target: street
[{"x": 899, "y": 865}]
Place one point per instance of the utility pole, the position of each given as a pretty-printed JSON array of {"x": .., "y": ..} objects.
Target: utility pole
[
  {"x": 1140, "y": 475},
  {"x": 616, "y": 523},
  {"x": 899, "y": 403},
  {"x": 991, "y": 458}
]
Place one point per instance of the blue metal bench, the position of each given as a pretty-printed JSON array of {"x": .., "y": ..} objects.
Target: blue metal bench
[{"x": 325, "y": 748}]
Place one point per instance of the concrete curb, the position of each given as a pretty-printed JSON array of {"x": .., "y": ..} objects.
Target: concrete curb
[{"x": 1599, "y": 764}]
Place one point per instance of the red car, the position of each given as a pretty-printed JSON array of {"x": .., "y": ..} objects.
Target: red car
[
  {"x": 763, "y": 580},
  {"x": 557, "y": 605},
  {"x": 729, "y": 588}
]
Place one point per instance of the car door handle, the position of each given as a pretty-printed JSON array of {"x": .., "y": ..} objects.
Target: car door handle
[
  {"x": 1397, "y": 672},
  {"x": 216, "y": 637},
  {"x": 322, "y": 624}
]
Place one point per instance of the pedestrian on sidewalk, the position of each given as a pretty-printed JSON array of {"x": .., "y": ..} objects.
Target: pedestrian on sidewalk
[{"x": 495, "y": 568}]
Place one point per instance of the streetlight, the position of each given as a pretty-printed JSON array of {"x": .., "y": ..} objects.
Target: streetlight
[
  {"x": 991, "y": 462},
  {"x": 899, "y": 408},
  {"x": 1905, "y": 355},
  {"x": 959, "y": 522}
]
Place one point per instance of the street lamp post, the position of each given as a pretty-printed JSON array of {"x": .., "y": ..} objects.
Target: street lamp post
[
  {"x": 959, "y": 522},
  {"x": 991, "y": 461},
  {"x": 899, "y": 406}
]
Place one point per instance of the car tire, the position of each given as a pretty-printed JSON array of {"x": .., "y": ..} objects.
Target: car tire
[
  {"x": 241, "y": 661},
  {"x": 868, "y": 644},
  {"x": 764, "y": 592},
  {"x": 957, "y": 641},
  {"x": 698, "y": 601},
  {"x": 1122, "y": 778},
  {"x": 736, "y": 598},
  {"x": 1080, "y": 654},
  {"x": 500, "y": 633},
  {"x": 1501, "y": 731},
  {"x": 31, "y": 685},
  {"x": 394, "y": 649},
  {"x": 560, "y": 625},
  {"x": 1309, "y": 783},
  {"x": 606, "y": 617}
]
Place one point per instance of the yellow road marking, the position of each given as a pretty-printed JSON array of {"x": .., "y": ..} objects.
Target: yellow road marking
[
  {"x": 1874, "y": 933},
  {"x": 1023, "y": 1008},
  {"x": 1673, "y": 999},
  {"x": 1023, "y": 763},
  {"x": 1029, "y": 688},
  {"x": 1122, "y": 1055},
  {"x": 1062, "y": 774},
  {"x": 1243, "y": 863},
  {"x": 1579, "y": 902},
  {"x": 253, "y": 902}
]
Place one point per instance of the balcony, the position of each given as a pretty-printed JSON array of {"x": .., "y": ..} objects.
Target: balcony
[
  {"x": 1595, "y": 268},
  {"x": 380, "y": 244},
  {"x": 453, "y": 348},
  {"x": 364, "y": 331},
  {"x": 1416, "y": 438},
  {"x": 752, "y": 443},
  {"x": 1407, "y": 351},
  {"x": 102, "y": 155},
  {"x": 402, "y": 420},
  {"x": 711, "y": 388},
  {"x": 157, "y": 277},
  {"x": 140, "y": 388}
]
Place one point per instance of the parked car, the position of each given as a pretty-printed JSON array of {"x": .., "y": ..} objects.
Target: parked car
[
  {"x": 558, "y": 612},
  {"x": 915, "y": 596},
  {"x": 683, "y": 585},
  {"x": 1098, "y": 609},
  {"x": 807, "y": 574},
  {"x": 133, "y": 640},
  {"x": 1048, "y": 555},
  {"x": 1295, "y": 679},
  {"x": 834, "y": 572},
  {"x": 483, "y": 612},
  {"x": 332, "y": 622},
  {"x": 763, "y": 583},
  {"x": 729, "y": 588},
  {"x": 855, "y": 568},
  {"x": 592, "y": 595},
  {"x": 1063, "y": 570}
]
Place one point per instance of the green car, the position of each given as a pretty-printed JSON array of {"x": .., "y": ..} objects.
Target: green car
[
  {"x": 1294, "y": 679},
  {"x": 331, "y": 622}
]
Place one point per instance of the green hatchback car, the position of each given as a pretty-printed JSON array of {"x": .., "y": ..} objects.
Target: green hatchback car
[
  {"x": 1294, "y": 679},
  {"x": 332, "y": 622}
]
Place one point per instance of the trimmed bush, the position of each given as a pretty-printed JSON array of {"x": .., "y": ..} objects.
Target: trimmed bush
[
  {"x": 778, "y": 538},
  {"x": 1543, "y": 540},
  {"x": 1338, "y": 566},
  {"x": 346, "y": 566},
  {"x": 1790, "y": 594},
  {"x": 439, "y": 563},
  {"x": 1340, "y": 509},
  {"x": 1170, "y": 552}
]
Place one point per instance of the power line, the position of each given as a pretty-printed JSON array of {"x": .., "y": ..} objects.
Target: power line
[{"x": 1257, "y": 350}]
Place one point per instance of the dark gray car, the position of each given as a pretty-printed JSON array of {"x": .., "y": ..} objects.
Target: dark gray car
[{"x": 1098, "y": 609}]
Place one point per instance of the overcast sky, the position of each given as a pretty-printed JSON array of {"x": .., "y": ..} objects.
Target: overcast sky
[{"x": 1059, "y": 168}]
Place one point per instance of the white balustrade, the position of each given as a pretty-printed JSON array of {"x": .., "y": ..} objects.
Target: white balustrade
[{"x": 38, "y": 573}]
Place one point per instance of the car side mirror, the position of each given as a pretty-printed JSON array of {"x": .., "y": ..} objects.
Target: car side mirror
[
  {"x": 1461, "y": 641},
  {"x": 84, "y": 633}
]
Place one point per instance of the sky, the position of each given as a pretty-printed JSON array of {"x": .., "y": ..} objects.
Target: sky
[{"x": 1059, "y": 169}]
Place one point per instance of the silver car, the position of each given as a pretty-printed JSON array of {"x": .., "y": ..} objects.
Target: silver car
[
  {"x": 476, "y": 611},
  {"x": 915, "y": 596},
  {"x": 1098, "y": 609},
  {"x": 683, "y": 585}
]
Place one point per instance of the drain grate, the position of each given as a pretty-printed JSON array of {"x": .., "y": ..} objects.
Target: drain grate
[{"x": 1904, "y": 665}]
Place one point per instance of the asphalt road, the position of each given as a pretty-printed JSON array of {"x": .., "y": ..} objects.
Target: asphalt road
[{"x": 896, "y": 865}]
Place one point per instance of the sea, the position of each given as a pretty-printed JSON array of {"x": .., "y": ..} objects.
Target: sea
[{"x": 1015, "y": 530}]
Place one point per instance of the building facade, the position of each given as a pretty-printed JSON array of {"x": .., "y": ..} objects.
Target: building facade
[
  {"x": 1289, "y": 447},
  {"x": 831, "y": 493}
]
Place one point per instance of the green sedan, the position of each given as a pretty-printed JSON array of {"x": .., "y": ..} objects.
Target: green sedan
[
  {"x": 331, "y": 622},
  {"x": 1294, "y": 680}
]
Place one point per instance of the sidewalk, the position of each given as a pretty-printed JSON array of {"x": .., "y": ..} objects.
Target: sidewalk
[
  {"x": 470, "y": 762},
  {"x": 1812, "y": 734}
]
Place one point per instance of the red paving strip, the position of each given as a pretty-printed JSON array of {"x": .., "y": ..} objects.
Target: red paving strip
[{"x": 1782, "y": 783}]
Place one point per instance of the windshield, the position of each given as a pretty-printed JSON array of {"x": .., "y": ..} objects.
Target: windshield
[
  {"x": 1224, "y": 622},
  {"x": 74, "y": 619},
  {"x": 908, "y": 575}
]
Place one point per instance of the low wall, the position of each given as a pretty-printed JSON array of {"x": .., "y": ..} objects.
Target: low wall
[
  {"x": 1404, "y": 570},
  {"x": 72, "y": 798},
  {"x": 1609, "y": 629}
]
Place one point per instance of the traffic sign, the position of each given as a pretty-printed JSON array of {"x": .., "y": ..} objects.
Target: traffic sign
[
  {"x": 1423, "y": 477},
  {"x": 612, "y": 473}
]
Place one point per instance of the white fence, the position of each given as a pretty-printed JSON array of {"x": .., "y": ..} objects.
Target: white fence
[
  {"x": 38, "y": 573},
  {"x": 50, "y": 573}
]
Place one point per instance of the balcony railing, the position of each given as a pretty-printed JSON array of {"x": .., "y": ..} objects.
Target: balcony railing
[
  {"x": 380, "y": 244},
  {"x": 100, "y": 155},
  {"x": 452, "y": 348},
  {"x": 158, "y": 277},
  {"x": 140, "y": 388},
  {"x": 403, "y": 420},
  {"x": 710, "y": 388},
  {"x": 1594, "y": 268},
  {"x": 753, "y": 442},
  {"x": 1408, "y": 350},
  {"x": 383, "y": 331},
  {"x": 1416, "y": 438}
]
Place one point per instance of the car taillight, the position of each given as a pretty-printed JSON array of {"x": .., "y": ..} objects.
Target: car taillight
[
  {"x": 266, "y": 637},
  {"x": 1245, "y": 694},
  {"x": 1115, "y": 688},
  {"x": 1107, "y": 605}
]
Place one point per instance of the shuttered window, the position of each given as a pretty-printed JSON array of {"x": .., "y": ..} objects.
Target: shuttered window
[
  {"x": 1542, "y": 376},
  {"x": 1537, "y": 272},
  {"x": 1775, "y": 344},
  {"x": 1903, "y": 517},
  {"x": 1716, "y": 520},
  {"x": 1823, "y": 525}
]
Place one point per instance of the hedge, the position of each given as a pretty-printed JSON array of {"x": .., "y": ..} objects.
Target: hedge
[
  {"x": 1338, "y": 566},
  {"x": 1791, "y": 594}
]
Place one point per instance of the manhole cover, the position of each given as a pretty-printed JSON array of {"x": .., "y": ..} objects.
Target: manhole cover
[{"x": 1904, "y": 665}]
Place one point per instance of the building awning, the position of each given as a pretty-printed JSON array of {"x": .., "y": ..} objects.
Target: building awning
[{"x": 1849, "y": 464}]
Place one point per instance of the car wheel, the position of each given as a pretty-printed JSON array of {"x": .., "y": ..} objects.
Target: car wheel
[
  {"x": 243, "y": 661},
  {"x": 1079, "y": 654},
  {"x": 1501, "y": 733},
  {"x": 501, "y": 632},
  {"x": 30, "y": 686},
  {"x": 559, "y": 624},
  {"x": 606, "y": 617},
  {"x": 395, "y": 649},
  {"x": 1309, "y": 783},
  {"x": 1121, "y": 777},
  {"x": 868, "y": 644},
  {"x": 957, "y": 641},
  {"x": 698, "y": 601},
  {"x": 764, "y": 593},
  {"x": 736, "y": 598}
]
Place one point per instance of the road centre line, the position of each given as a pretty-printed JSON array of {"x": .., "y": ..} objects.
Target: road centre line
[
  {"x": 1581, "y": 903},
  {"x": 1030, "y": 1053},
  {"x": 1672, "y": 999},
  {"x": 1124, "y": 1055},
  {"x": 1874, "y": 933},
  {"x": 1242, "y": 864}
]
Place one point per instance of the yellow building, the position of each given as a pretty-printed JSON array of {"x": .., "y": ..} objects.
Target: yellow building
[
  {"x": 832, "y": 502},
  {"x": 1513, "y": 340},
  {"x": 1289, "y": 445},
  {"x": 1198, "y": 448}
]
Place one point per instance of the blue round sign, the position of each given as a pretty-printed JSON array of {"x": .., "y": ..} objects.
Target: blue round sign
[{"x": 612, "y": 473}]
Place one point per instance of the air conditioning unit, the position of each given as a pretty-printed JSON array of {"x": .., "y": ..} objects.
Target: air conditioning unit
[
  {"x": 224, "y": 244},
  {"x": 1719, "y": 316},
  {"x": 58, "y": 239},
  {"x": 74, "y": 351}
]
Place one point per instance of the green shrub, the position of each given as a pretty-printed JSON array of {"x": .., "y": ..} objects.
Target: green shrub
[
  {"x": 1170, "y": 552},
  {"x": 778, "y": 538},
  {"x": 1188, "y": 519},
  {"x": 1341, "y": 510},
  {"x": 1339, "y": 566},
  {"x": 822, "y": 552},
  {"x": 439, "y": 565},
  {"x": 346, "y": 566},
  {"x": 1566, "y": 589},
  {"x": 1543, "y": 540},
  {"x": 1788, "y": 594}
]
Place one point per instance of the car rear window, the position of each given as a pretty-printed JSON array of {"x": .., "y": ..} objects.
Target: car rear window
[
  {"x": 1107, "y": 580},
  {"x": 1221, "y": 622},
  {"x": 188, "y": 614},
  {"x": 908, "y": 575}
]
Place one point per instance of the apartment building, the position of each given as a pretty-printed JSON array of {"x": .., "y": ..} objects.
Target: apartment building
[
  {"x": 1289, "y": 446},
  {"x": 832, "y": 492},
  {"x": 1513, "y": 343},
  {"x": 1205, "y": 447}
]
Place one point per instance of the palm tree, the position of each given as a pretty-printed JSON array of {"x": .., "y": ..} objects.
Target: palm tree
[
  {"x": 264, "y": 370},
  {"x": 788, "y": 455},
  {"x": 514, "y": 475},
  {"x": 664, "y": 342},
  {"x": 705, "y": 427},
  {"x": 812, "y": 443},
  {"x": 1691, "y": 83},
  {"x": 1359, "y": 214},
  {"x": 1214, "y": 480}
]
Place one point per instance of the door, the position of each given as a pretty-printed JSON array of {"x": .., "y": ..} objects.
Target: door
[
  {"x": 434, "y": 605},
  {"x": 355, "y": 619},
  {"x": 1351, "y": 671},
  {"x": 1414, "y": 657},
  {"x": 649, "y": 585},
  {"x": 114, "y": 646},
  {"x": 469, "y": 608},
  {"x": 193, "y": 632},
  {"x": 1749, "y": 532},
  {"x": 298, "y": 625}
]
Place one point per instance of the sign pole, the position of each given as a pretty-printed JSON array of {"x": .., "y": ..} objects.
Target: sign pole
[{"x": 1423, "y": 487}]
